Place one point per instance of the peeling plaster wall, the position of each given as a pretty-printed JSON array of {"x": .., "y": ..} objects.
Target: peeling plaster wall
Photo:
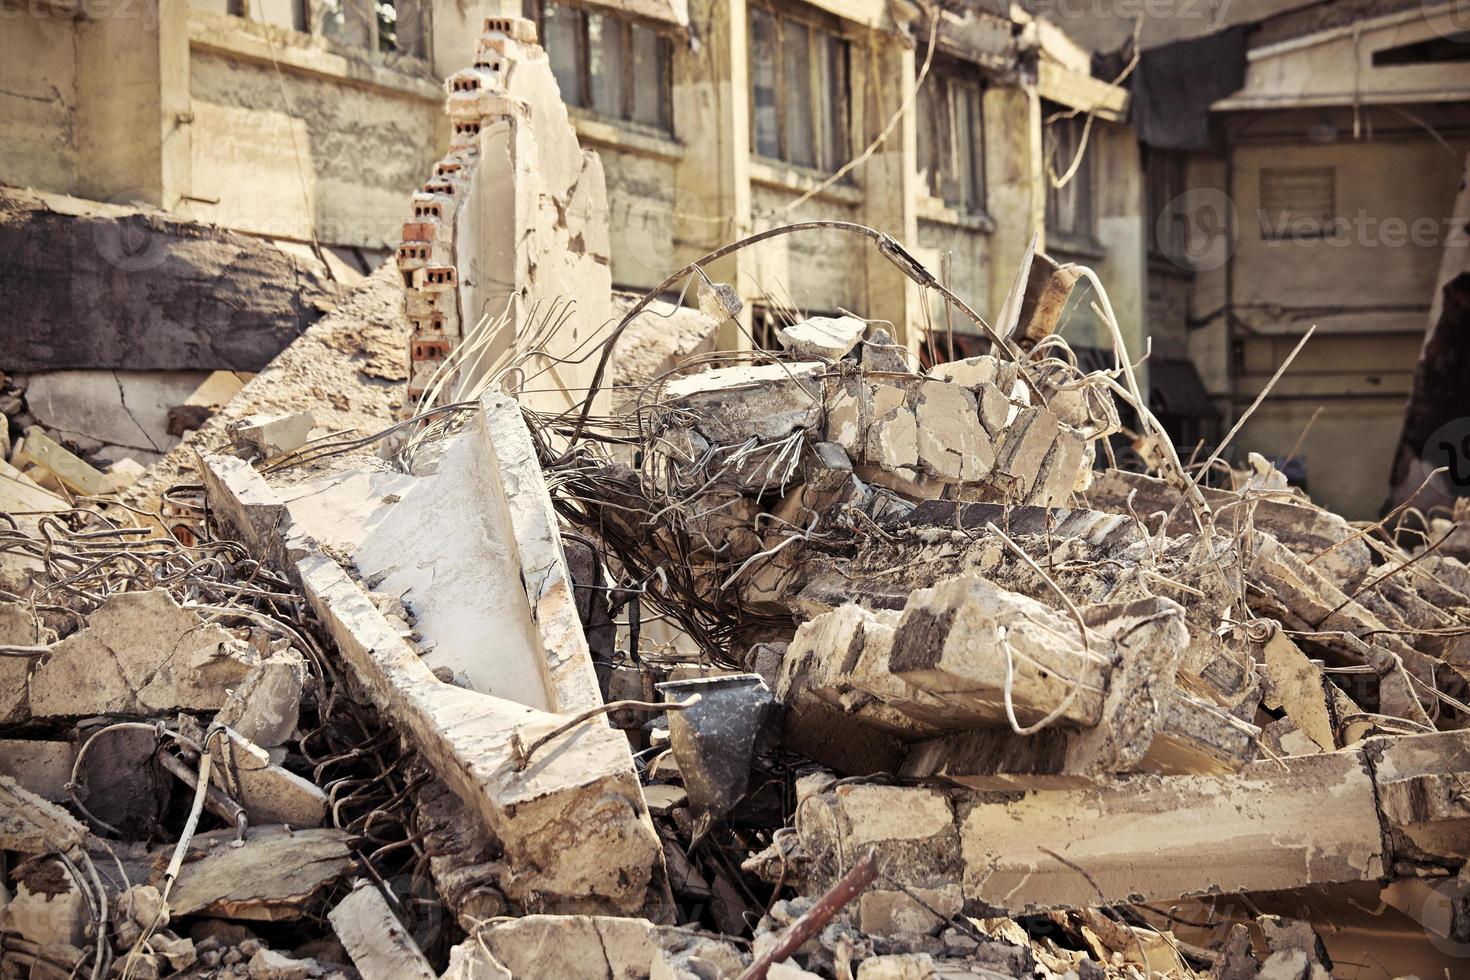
[
  {"x": 361, "y": 152},
  {"x": 38, "y": 96},
  {"x": 817, "y": 271}
]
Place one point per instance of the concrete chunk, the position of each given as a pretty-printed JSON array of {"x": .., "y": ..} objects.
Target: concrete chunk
[
  {"x": 140, "y": 654},
  {"x": 380, "y": 947},
  {"x": 271, "y": 435},
  {"x": 822, "y": 336}
]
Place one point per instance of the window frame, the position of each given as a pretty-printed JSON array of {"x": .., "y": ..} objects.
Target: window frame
[
  {"x": 1165, "y": 180},
  {"x": 948, "y": 79},
  {"x": 829, "y": 107},
  {"x": 585, "y": 98},
  {"x": 1082, "y": 189}
]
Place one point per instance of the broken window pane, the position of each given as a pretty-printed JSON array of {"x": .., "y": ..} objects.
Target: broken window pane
[
  {"x": 651, "y": 85},
  {"x": 952, "y": 139},
  {"x": 796, "y": 91},
  {"x": 799, "y": 91},
  {"x": 561, "y": 27},
  {"x": 833, "y": 95},
  {"x": 765, "y": 124},
  {"x": 1068, "y": 208},
  {"x": 606, "y": 63}
]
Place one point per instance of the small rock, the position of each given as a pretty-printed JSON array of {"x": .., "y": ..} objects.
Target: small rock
[{"x": 267, "y": 964}]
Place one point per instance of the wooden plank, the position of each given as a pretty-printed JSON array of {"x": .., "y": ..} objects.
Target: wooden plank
[{"x": 73, "y": 472}]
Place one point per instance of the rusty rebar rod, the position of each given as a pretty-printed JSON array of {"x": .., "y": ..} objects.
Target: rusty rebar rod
[{"x": 810, "y": 922}]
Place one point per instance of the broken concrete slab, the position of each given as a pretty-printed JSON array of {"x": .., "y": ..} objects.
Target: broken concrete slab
[
  {"x": 380, "y": 947},
  {"x": 573, "y": 824},
  {"x": 49, "y": 907},
  {"x": 266, "y": 705},
  {"x": 260, "y": 297},
  {"x": 140, "y": 654},
  {"x": 30, "y": 825},
  {"x": 731, "y": 404},
  {"x": 591, "y": 946},
  {"x": 501, "y": 574},
  {"x": 274, "y": 875},
  {"x": 269, "y": 793}
]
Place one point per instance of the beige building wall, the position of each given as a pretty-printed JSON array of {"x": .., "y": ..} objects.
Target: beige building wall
[{"x": 38, "y": 100}]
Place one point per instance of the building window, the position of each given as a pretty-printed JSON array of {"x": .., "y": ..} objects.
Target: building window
[
  {"x": 607, "y": 64},
  {"x": 799, "y": 91},
  {"x": 1297, "y": 202},
  {"x": 951, "y": 131},
  {"x": 1068, "y": 208},
  {"x": 1164, "y": 173}
]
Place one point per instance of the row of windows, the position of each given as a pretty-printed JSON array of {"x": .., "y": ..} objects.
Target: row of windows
[
  {"x": 400, "y": 26},
  {"x": 799, "y": 80},
  {"x": 611, "y": 66},
  {"x": 800, "y": 92}
]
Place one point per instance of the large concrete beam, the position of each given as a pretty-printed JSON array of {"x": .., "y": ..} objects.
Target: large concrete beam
[
  {"x": 1390, "y": 807},
  {"x": 97, "y": 286},
  {"x": 573, "y": 825}
]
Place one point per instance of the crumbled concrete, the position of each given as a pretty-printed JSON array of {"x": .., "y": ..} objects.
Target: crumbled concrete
[
  {"x": 140, "y": 654},
  {"x": 266, "y": 705},
  {"x": 269, "y": 793},
  {"x": 48, "y": 907}
]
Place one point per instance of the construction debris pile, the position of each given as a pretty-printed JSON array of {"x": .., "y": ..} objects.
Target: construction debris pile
[{"x": 806, "y": 662}]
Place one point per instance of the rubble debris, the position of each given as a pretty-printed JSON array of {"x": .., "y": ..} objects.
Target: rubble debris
[
  {"x": 270, "y": 876},
  {"x": 391, "y": 696},
  {"x": 346, "y": 369},
  {"x": 141, "y": 654}
]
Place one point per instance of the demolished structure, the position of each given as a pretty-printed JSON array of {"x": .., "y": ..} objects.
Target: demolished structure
[{"x": 815, "y": 661}]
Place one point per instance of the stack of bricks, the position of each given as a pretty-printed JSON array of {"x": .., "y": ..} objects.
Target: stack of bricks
[{"x": 475, "y": 96}]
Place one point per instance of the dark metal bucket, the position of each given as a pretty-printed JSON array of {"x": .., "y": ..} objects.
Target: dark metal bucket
[{"x": 714, "y": 740}]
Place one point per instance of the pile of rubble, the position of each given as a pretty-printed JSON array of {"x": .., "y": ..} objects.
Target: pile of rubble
[{"x": 809, "y": 662}]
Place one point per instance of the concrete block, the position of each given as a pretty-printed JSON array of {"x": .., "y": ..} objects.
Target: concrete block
[
  {"x": 271, "y": 435},
  {"x": 732, "y": 404},
  {"x": 822, "y": 336},
  {"x": 952, "y": 446},
  {"x": 269, "y": 793}
]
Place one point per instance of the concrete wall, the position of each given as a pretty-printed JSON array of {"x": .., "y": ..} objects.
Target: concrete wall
[
  {"x": 355, "y": 154},
  {"x": 213, "y": 117},
  {"x": 334, "y": 135},
  {"x": 38, "y": 97}
]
